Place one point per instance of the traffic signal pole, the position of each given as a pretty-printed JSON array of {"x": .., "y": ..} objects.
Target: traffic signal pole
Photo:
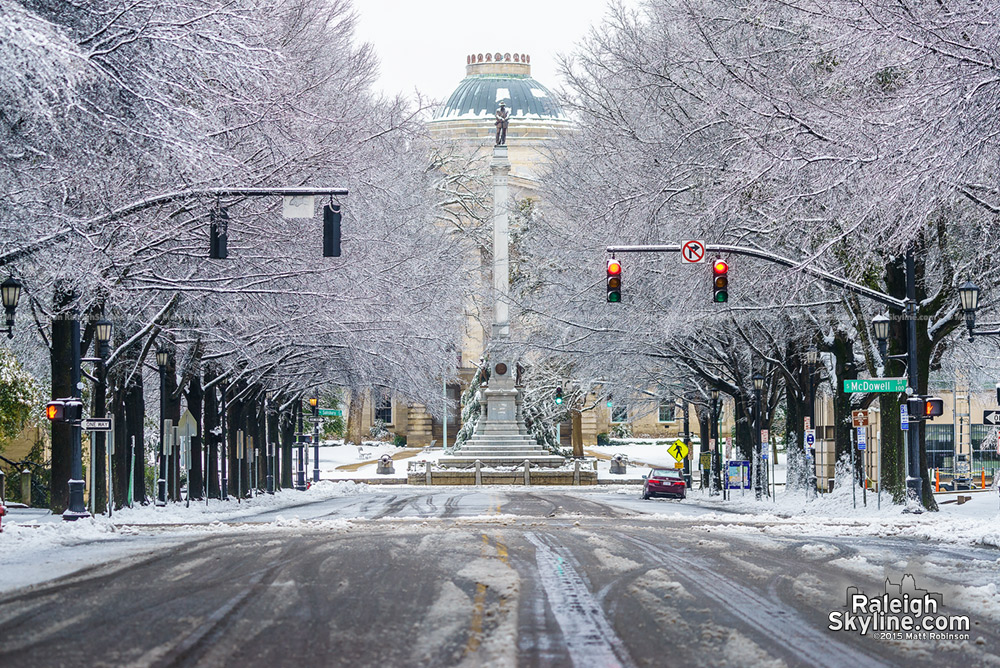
[
  {"x": 908, "y": 307},
  {"x": 77, "y": 508}
]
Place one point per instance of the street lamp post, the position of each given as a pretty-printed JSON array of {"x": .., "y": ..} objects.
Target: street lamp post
[
  {"x": 98, "y": 492},
  {"x": 162, "y": 358},
  {"x": 314, "y": 402},
  {"x": 968, "y": 294},
  {"x": 10, "y": 291},
  {"x": 812, "y": 357},
  {"x": 758, "y": 385},
  {"x": 268, "y": 436}
]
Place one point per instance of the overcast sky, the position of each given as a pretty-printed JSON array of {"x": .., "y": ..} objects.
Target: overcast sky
[{"x": 423, "y": 45}]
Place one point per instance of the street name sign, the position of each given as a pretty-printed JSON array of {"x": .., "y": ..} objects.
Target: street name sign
[
  {"x": 678, "y": 450},
  {"x": 991, "y": 417},
  {"x": 875, "y": 385},
  {"x": 692, "y": 252},
  {"x": 331, "y": 412}
]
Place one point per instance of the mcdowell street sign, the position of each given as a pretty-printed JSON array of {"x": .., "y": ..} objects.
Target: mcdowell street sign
[
  {"x": 331, "y": 412},
  {"x": 875, "y": 385}
]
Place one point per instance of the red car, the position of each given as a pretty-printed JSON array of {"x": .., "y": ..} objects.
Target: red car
[{"x": 664, "y": 482}]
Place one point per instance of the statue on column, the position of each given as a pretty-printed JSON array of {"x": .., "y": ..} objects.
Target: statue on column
[{"x": 503, "y": 119}]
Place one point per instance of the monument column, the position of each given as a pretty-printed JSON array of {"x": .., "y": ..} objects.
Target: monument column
[{"x": 500, "y": 166}]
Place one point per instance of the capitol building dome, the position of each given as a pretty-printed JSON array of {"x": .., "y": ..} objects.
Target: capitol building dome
[{"x": 467, "y": 117}]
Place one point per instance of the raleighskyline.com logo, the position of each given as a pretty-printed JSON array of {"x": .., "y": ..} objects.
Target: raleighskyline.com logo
[{"x": 901, "y": 612}]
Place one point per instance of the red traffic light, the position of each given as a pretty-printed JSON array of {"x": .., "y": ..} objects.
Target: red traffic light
[
  {"x": 720, "y": 267},
  {"x": 614, "y": 281}
]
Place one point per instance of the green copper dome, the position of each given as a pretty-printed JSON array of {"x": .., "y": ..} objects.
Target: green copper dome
[{"x": 496, "y": 78}]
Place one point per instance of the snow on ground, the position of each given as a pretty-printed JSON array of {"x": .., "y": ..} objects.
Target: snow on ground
[{"x": 36, "y": 545}]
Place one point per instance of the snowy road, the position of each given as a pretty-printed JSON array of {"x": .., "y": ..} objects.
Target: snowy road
[{"x": 476, "y": 576}]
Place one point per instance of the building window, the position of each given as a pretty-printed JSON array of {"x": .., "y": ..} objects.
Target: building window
[
  {"x": 619, "y": 414},
  {"x": 383, "y": 407},
  {"x": 667, "y": 410}
]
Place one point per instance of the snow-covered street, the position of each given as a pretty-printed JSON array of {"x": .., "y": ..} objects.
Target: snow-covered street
[{"x": 507, "y": 574}]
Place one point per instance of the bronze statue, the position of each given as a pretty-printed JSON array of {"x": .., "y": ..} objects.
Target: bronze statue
[{"x": 503, "y": 119}]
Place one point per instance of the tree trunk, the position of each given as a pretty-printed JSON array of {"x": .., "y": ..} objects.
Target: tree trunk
[
  {"x": 287, "y": 426},
  {"x": 194, "y": 397},
  {"x": 353, "y": 433},
  {"x": 135, "y": 415},
  {"x": 210, "y": 421},
  {"x": 172, "y": 411}
]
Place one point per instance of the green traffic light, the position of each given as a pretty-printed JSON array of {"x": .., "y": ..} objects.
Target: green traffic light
[{"x": 558, "y": 400}]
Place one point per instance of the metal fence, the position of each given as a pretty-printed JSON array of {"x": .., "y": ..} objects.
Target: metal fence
[
  {"x": 984, "y": 448},
  {"x": 940, "y": 446}
]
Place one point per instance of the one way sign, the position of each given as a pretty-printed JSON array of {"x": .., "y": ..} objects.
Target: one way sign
[{"x": 991, "y": 417}]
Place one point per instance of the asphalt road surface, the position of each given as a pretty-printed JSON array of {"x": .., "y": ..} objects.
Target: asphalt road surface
[{"x": 474, "y": 577}]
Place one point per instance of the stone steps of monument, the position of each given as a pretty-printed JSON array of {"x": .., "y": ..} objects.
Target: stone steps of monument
[
  {"x": 537, "y": 460},
  {"x": 493, "y": 447},
  {"x": 502, "y": 440},
  {"x": 513, "y": 456}
]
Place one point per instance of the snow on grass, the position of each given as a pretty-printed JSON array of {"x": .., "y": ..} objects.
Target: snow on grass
[
  {"x": 37, "y": 547},
  {"x": 215, "y": 510}
]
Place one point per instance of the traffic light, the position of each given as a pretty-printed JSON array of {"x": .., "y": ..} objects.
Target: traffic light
[
  {"x": 559, "y": 397},
  {"x": 218, "y": 234},
  {"x": 720, "y": 281},
  {"x": 925, "y": 408},
  {"x": 331, "y": 230},
  {"x": 64, "y": 410},
  {"x": 614, "y": 280}
]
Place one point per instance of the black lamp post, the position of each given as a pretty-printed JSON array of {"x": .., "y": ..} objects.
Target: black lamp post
[
  {"x": 10, "y": 291},
  {"x": 968, "y": 294},
  {"x": 102, "y": 331},
  {"x": 314, "y": 402},
  {"x": 268, "y": 438},
  {"x": 758, "y": 385},
  {"x": 812, "y": 357},
  {"x": 880, "y": 328},
  {"x": 162, "y": 358}
]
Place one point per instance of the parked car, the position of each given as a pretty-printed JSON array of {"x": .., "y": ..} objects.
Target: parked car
[{"x": 664, "y": 482}]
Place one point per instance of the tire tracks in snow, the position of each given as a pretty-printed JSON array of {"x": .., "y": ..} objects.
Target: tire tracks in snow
[{"x": 587, "y": 635}]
